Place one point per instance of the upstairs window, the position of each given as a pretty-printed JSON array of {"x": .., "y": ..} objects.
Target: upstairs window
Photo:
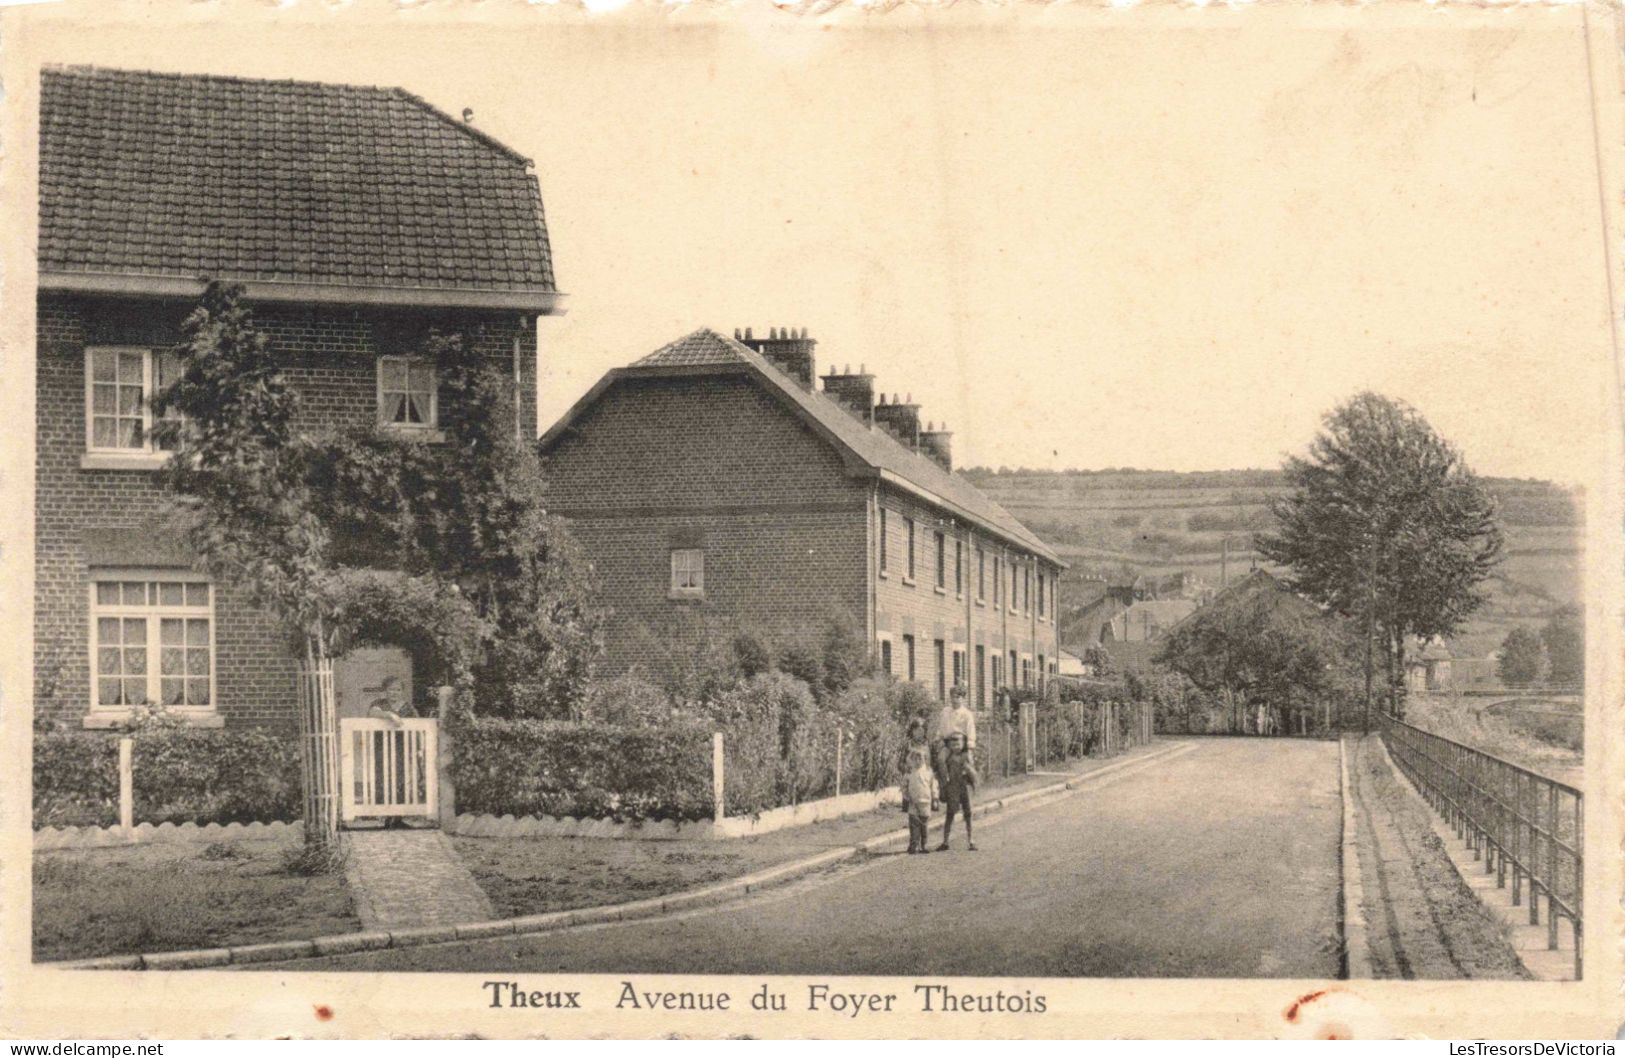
[
  {"x": 1041, "y": 595},
  {"x": 981, "y": 575},
  {"x": 687, "y": 573},
  {"x": 942, "y": 560},
  {"x": 910, "y": 523},
  {"x": 959, "y": 567},
  {"x": 120, "y": 382},
  {"x": 883, "y": 531},
  {"x": 408, "y": 395}
]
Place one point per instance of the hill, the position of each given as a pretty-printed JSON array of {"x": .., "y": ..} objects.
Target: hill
[{"x": 1116, "y": 523}]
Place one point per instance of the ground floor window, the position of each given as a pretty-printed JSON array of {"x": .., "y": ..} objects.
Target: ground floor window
[
  {"x": 908, "y": 658},
  {"x": 152, "y": 643},
  {"x": 885, "y": 657}
]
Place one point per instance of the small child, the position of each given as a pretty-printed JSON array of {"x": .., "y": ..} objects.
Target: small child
[{"x": 917, "y": 787}]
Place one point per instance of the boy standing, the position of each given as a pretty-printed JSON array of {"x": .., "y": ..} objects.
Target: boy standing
[{"x": 916, "y": 786}]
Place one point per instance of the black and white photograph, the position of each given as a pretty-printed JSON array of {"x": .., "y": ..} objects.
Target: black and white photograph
[{"x": 813, "y": 522}]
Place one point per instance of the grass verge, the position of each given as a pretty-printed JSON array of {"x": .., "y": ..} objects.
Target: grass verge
[
  {"x": 1422, "y": 920},
  {"x": 146, "y": 898}
]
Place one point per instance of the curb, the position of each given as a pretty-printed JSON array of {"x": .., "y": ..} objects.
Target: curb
[
  {"x": 1356, "y": 947},
  {"x": 720, "y": 892}
]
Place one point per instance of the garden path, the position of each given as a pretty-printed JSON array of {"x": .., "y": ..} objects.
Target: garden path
[{"x": 403, "y": 878}]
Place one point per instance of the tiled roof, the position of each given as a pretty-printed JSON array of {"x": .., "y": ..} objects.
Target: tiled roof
[
  {"x": 703, "y": 348},
  {"x": 876, "y": 448},
  {"x": 177, "y": 175}
]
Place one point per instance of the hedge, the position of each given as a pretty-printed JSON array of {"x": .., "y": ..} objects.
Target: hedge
[
  {"x": 179, "y": 775},
  {"x": 75, "y": 780},
  {"x": 585, "y": 770}
]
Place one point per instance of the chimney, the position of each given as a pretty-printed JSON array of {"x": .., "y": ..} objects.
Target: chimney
[
  {"x": 902, "y": 418},
  {"x": 787, "y": 349},
  {"x": 854, "y": 392},
  {"x": 937, "y": 445}
]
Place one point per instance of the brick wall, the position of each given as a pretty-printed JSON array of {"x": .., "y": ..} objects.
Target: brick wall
[
  {"x": 709, "y": 462},
  {"x": 330, "y": 357},
  {"x": 712, "y": 461},
  {"x": 954, "y": 615}
]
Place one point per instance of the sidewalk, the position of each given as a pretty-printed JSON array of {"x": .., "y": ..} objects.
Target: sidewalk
[
  {"x": 529, "y": 876},
  {"x": 404, "y": 878}
]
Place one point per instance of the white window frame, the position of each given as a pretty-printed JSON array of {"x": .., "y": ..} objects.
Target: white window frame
[
  {"x": 154, "y": 614},
  {"x": 687, "y": 579},
  {"x": 112, "y": 456},
  {"x": 430, "y": 428}
]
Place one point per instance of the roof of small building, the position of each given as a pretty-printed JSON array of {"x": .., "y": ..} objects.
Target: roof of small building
[
  {"x": 874, "y": 448},
  {"x": 165, "y": 176},
  {"x": 1136, "y": 656}
]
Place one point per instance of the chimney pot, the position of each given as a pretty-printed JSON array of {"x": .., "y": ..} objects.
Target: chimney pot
[{"x": 789, "y": 351}]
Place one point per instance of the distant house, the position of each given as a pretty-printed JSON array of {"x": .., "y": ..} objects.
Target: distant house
[
  {"x": 713, "y": 475},
  {"x": 1071, "y": 664},
  {"x": 360, "y": 220},
  {"x": 1428, "y": 667}
]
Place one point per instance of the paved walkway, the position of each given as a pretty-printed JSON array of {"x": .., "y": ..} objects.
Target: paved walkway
[
  {"x": 1222, "y": 862},
  {"x": 402, "y": 878}
]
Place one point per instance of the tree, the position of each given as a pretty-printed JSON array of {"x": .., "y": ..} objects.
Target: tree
[
  {"x": 1260, "y": 644},
  {"x": 249, "y": 507},
  {"x": 1564, "y": 638},
  {"x": 1387, "y": 525},
  {"x": 1523, "y": 658},
  {"x": 356, "y": 536}
]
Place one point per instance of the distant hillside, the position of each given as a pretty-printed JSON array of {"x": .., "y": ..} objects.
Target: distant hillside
[{"x": 1110, "y": 523}]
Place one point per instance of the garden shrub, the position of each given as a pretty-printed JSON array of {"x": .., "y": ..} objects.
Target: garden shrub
[
  {"x": 585, "y": 770},
  {"x": 874, "y": 713},
  {"x": 237, "y": 775},
  {"x": 627, "y": 700},
  {"x": 75, "y": 780},
  {"x": 179, "y": 775}
]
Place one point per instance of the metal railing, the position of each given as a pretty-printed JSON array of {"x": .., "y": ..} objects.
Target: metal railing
[{"x": 1518, "y": 822}]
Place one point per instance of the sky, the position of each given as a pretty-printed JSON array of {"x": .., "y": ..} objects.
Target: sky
[{"x": 1089, "y": 240}]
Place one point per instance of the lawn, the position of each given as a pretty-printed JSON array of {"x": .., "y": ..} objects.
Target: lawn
[{"x": 171, "y": 897}]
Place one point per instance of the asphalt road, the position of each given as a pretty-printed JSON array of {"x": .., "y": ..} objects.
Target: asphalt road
[{"x": 1221, "y": 862}]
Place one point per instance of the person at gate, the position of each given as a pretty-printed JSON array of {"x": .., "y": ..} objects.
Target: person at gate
[
  {"x": 917, "y": 800},
  {"x": 956, "y": 790},
  {"x": 390, "y": 704}
]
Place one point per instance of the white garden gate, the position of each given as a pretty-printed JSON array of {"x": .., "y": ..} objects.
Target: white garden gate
[{"x": 388, "y": 768}]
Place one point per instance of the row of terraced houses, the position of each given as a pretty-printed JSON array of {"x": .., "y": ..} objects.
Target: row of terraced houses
[{"x": 715, "y": 473}]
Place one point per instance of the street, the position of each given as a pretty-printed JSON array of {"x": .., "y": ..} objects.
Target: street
[{"x": 1220, "y": 862}]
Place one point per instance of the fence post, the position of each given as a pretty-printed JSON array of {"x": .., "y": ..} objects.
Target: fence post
[
  {"x": 840, "y": 746},
  {"x": 447, "y": 809},
  {"x": 126, "y": 789},
  {"x": 718, "y": 800}
]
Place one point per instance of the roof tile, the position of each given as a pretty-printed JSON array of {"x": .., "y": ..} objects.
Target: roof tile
[{"x": 179, "y": 174}]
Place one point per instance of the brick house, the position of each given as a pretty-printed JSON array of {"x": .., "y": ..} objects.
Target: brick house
[
  {"x": 359, "y": 219},
  {"x": 714, "y": 473}
]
